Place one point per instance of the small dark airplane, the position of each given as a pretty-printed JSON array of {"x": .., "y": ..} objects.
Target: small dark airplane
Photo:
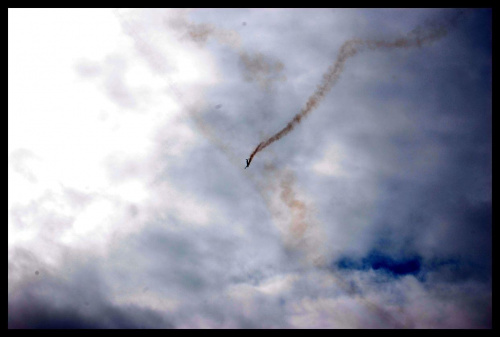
[{"x": 248, "y": 163}]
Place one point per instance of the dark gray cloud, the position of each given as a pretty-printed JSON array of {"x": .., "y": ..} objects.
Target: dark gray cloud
[{"x": 73, "y": 298}]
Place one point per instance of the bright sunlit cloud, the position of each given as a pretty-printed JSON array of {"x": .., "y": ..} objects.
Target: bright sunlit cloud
[{"x": 129, "y": 204}]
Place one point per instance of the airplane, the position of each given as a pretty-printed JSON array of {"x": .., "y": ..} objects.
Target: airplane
[{"x": 248, "y": 163}]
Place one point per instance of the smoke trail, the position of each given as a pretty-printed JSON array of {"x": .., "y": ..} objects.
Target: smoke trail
[
  {"x": 263, "y": 69},
  {"x": 347, "y": 50},
  {"x": 293, "y": 216},
  {"x": 297, "y": 208},
  {"x": 201, "y": 32},
  {"x": 415, "y": 38}
]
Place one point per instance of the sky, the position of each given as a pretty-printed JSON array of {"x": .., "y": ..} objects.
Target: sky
[{"x": 129, "y": 205}]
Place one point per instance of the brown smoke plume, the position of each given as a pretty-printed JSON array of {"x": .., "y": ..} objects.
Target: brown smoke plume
[
  {"x": 293, "y": 216},
  {"x": 201, "y": 32},
  {"x": 415, "y": 38},
  {"x": 297, "y": 208},
  {"x": 263, "y": 69}
]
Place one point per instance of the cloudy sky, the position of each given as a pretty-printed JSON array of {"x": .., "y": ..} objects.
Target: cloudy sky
[{"x": 129, "y": 205}]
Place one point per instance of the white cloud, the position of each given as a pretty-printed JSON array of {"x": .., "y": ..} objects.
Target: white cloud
[
  {"x": 333, "y": 163},
  {"x": 127, "y": 194}
]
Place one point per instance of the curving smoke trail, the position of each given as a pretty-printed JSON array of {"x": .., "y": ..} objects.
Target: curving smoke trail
[
  {"x": 256, "y": 67},
  {"x": 415, "y": 38},
  {"x": 301, "y": 232}
]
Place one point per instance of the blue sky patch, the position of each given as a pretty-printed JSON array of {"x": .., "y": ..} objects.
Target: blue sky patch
[{"x": 384, "y": 263}]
